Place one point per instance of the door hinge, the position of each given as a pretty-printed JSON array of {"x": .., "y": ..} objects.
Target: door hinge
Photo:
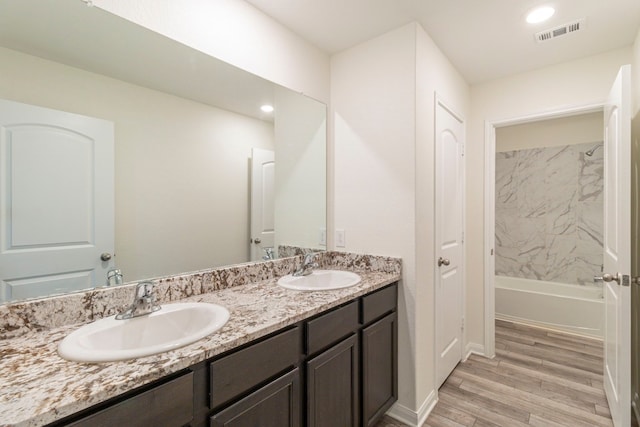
[
  {"x": 462, "y": 238},
  {"x": 462, "y": 325}
]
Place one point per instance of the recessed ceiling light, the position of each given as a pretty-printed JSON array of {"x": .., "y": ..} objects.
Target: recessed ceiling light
[
  {"x": 267, "y": 108},
  {"x": 540, "y": 14}
]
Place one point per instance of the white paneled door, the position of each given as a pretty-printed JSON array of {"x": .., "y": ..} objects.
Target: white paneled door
[
  {"x": 449, "y": 240},
  {"x": 56, "y": 200},
  {"x": 617, "y": 249},
  {"x": 262, "y": 203}
]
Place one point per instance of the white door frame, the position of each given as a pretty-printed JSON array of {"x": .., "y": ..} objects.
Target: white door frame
[{"x": 490, "y": 209}]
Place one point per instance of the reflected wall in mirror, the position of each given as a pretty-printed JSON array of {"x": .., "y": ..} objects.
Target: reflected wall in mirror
[{"x": 185, "y": 125}]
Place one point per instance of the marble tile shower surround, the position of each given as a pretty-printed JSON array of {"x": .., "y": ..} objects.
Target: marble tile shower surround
[
  {"x": 549, "y": 213},
  {"x": 35, "y": 315}
]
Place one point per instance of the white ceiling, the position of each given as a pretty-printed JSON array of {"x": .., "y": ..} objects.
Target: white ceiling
[{"x": 485, "y": 39}]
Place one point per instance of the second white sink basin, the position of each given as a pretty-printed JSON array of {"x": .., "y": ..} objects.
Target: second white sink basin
[
  {"x": 173, "y": 326},
  {"x": 320, "y": 280}
]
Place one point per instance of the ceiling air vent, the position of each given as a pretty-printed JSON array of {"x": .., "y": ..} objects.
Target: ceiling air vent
[{"x": 560, "y": 31}]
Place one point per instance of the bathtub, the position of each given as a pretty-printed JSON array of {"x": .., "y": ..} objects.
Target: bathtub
[{"x": 568, "y": 308}]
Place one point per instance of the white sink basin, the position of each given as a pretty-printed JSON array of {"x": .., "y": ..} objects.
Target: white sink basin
[
  {"x": 320, "y": 280},
  {"x": 173, "y": 326}
]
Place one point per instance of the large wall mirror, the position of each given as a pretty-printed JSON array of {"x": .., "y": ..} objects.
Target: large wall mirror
[{"x": 190, "y": 145}]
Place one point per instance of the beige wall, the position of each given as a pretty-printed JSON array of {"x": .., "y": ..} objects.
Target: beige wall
[
  {"x": 237, "y": 33},
  {"x": 580, "y": 82},
  {"x": 189, "y": 160},
  {"x": 383, "y": 112},
  {"x": 373, "y": 111},
  {"x": 571, "y": 130}
]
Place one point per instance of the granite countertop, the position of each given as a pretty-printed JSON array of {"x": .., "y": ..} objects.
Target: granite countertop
[{"x": 39, "y": 387}]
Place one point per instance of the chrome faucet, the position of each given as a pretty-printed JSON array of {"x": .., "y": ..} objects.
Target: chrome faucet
[
  {"x": 114, "y": 277},
  {"x": 307, "y": 266},
  {"x": 144, "y": 302},
  {"x": 268, "y": 254}
]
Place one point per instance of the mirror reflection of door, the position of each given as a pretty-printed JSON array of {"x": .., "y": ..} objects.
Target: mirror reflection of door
[
  {"x": 262, "y": 223},
  {"x": 56, "y": 201}
]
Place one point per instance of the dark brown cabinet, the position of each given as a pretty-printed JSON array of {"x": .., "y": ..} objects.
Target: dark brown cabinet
[
  {"x": 337, "y": 369},
  {"x": 333, "y": 386},
  {"x": 275, "y": 405},
  {"x": 234, "y": 374},
  {"x": 348, "y": 363},
  {"x": 379, "y": 338},
  {"x": 379, "y": 368}
]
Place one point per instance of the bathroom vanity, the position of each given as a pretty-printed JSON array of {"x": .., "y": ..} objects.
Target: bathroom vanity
[
  {"x": 336, "y": 368},
  {"x": 286, "y": 358}
]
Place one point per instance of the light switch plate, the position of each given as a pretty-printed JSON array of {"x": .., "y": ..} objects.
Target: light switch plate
[
  {"x": 340, "y": 239},
  {"x": 323, "y": 237}
]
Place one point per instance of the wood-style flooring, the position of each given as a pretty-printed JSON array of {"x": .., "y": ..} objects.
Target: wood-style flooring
[{"x": 538, "y": 378}]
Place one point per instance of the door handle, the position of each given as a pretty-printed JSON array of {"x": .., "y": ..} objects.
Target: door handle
[
  {"x": 619, "y": 278},
  {"x": 105, "y": 256},
  {"x": 257, "y": 240},
  {"x": 443, "y": 261}
]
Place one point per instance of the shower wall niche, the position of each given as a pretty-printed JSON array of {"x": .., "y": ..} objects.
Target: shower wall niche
[{"x": 549, "y": 213}]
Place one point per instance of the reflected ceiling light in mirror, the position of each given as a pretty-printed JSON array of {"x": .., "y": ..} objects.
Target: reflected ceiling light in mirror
[
  {"x": 540, "y": 14},
  {"x": 266, "y": 108}
]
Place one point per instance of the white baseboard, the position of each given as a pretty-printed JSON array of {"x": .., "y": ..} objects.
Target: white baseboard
[
  {"x": 473, "y": 348},
  {"x": 411, "y": 418}
]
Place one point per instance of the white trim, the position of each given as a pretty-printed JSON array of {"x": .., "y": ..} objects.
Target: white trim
[
  {"x": 489, "y": 203},
  {"x": 411, "y": 418},
  {"x": 489, "y": 238},
  {"x": 474, "y": 348},
  {"x": 447, "y": 107}
]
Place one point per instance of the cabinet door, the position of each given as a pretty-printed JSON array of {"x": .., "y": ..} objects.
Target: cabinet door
[
  {"x": 332, "y": 386},
  {"x": 275, "y": 405},
  {"x": 379, "y": 368}
]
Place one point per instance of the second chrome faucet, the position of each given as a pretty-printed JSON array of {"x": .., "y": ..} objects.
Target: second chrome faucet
[
  {"x": 144, "y": 302},
  {"x": 307, "y": 266}
]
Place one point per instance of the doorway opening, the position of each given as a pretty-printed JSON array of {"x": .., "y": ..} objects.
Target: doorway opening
[
  {"x": 492, "y": 130},
  {"x": 549, "y": 224}
]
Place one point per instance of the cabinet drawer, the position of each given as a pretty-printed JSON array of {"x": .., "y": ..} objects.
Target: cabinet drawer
[
  {"x": 331, "y": 327},
  {"x": 379, "y": 303},
  {"x": 169, "y": 404},
  {"x": 238, "y": 372}
]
